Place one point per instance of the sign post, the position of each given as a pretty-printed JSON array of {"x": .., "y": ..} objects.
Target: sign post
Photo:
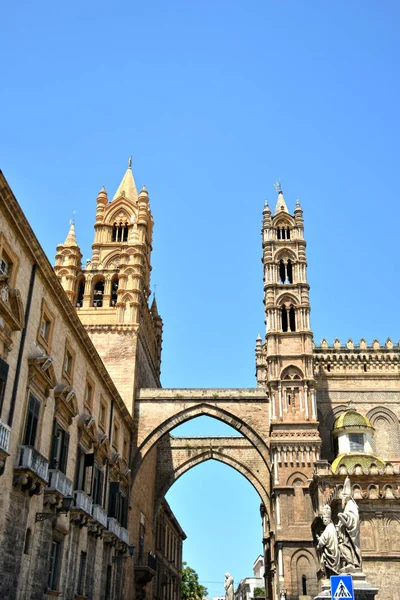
[{"x": 342, "y": 587}]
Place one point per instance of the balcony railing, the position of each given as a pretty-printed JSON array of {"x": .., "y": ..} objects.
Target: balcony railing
[
  {"x": 100, "y": 515},
  {"x": 83, "y": 502},
  {"x": 124, "y": 535},
  {"x": 59, "y": 482},
  {"x": 31, "y": 459},
  {"x": 114, "y": 527},
  {"x": 5, "y": 432}
]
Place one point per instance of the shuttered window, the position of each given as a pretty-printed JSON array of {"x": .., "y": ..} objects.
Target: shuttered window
[
  {"x": 32, "y": 420},
  {"x": 3, "y": 381},
  {"x": 60, "y": 445}
]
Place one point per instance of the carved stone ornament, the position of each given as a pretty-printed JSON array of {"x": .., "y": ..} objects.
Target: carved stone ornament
[{"x": 41, "y": 370}]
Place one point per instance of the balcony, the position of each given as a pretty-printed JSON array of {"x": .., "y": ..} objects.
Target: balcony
[
  {"x": 5, "y": 432},
  {"x": 114, "y": 527},
  {"x": 145, "y": 573},
  {"x": 100, "y": 515},
  {"x": 31, "y": 471},
  {"x": 83, "y": 502},
  {"x": 124, "y": 536},
  {"x": 58, "y": 482}
]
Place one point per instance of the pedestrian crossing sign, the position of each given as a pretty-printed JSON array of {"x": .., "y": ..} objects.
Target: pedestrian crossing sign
[{"x": 342, "y": 587}]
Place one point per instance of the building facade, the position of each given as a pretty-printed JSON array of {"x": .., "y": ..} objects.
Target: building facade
[{"x": 86, "y": 455}]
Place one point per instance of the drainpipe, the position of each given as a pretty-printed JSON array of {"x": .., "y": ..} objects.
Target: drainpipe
[{"x": 21, "y": 346}]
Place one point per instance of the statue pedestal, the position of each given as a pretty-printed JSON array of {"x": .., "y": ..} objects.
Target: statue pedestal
[{"x": 362, "y": 589}]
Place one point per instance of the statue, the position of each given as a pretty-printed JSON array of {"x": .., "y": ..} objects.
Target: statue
[
  {"x": 282, "y": 595},
  {"x": 328, "y": 545},
  {"x": 348, "y": 529},
  {"x": 228, "y": 585}
]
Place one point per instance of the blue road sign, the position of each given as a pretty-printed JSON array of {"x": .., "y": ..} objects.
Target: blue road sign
[{"x": 342, "y": 587}]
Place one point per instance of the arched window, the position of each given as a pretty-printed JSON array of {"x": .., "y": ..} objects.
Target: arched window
[
  {"x": 120, "y": 232},
  {"x": 287, "y": 233},
  {"x": 114, "y": 291},
  {"x": 292, "y": 318},
  {"x": 98, "y": 293},
  {"x": 80, "y": 292},
  {"x": 284, "y": 318},
  {"x": 289, "y": 271},
  {"x": 304, "y": 584},
  {"x": 278, "y": 234},
  {"x": 282, "y": 271}
]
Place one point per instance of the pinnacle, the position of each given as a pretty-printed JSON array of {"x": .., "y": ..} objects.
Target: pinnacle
[
  {"x": 127, "y": 187},
  {"x": 280, "y": 204},
  {"x": 70, "y": 240}
]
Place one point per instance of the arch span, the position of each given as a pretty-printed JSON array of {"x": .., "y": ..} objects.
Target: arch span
[
  {"x": 176, "y": 456},
  {"x": 155, "y": 422}
]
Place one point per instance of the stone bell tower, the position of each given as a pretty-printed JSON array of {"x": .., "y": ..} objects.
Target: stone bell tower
[
  {"x": 285, "y": 367},
  {"x": 111, "y": 292}
]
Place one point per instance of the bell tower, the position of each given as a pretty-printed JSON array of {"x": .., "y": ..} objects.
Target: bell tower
[
  {"x": 285, "y": 368},
  {"x": 111, "y": 292}
]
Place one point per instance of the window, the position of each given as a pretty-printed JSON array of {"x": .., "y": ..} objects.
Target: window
[
  {"x": 97, "y": 486},
  {"x": 83, "y": 462},
  {"x": 292, "y": 318},
  {"x": 356, "y": 442},
  {"x": 118, "y": 504},
  {"x": 4, "y": 266},
  {"x": 3, "y": 381},
  {"x": 60, "y": 445},
  {"x": 46, "y": 324},
  {"x": 284, "y": 318},
  {"x": 125, "y": 450},
  {"x": 82, "y": 574},
  {"x": 89, "y": 396},
  {"x": 68, "y": 365},
  {"x": 103, "y": 416},
  {"x": 114, "y": 291},
  {"x": 98, "y": 293},
  {"x": 54, "y": 566},
  {"x": 120, "y": 232},
  {"x": 32, "y": 420},
  {"x": 115, "y": 440},
  {"x": 28, "y": 541},
  {"x": 80, "y": 292},
  {"x": 108, "y": 581},
  {"x": 45, "y": 328}
]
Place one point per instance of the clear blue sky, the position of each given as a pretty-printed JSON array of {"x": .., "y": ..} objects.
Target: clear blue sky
[{"x": 215, "y": 100}]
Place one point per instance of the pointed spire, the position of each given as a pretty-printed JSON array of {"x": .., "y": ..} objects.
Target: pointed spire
[
  {"x": 154, "y": 308},
  {"x": 280, "y": 204},
  {"x": 70, "y": 240},
  {"x": 127, "y": 186}
]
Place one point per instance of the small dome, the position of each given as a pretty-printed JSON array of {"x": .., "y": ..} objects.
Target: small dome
[
  {"x": 352, "y": 418},
  {"x": 352, "y": 459}
]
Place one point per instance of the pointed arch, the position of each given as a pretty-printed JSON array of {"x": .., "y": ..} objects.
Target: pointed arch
[
  {"x": 120, "y": 208},
  {"x": 211, "y": 454},
  {"x": 202, "y": 409}
]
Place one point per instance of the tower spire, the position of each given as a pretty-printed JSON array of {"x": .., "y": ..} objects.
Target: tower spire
[
  {"x": 70, "y": 240},
  {"x": 127, "y": 187}
]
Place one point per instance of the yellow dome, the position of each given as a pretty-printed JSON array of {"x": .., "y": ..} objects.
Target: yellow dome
[
  {"x": 352, "y": 418},
  {"x": 352, "y": 459}
]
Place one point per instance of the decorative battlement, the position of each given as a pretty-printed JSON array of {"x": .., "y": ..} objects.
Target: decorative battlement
[{"x": 359, "y": 358}]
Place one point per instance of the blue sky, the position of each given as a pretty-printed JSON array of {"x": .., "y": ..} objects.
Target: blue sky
[{"x": 215, "y": 100}]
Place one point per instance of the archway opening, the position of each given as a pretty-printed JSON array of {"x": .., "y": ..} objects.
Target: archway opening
[{"x": 219, "y": 511}]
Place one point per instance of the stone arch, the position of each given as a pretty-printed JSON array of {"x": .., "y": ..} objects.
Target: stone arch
[
  {"x": 386, "y": 437},
  {"x": 292, "y": 372},
  {"x": 303, "y": 564},
  {"x": 287, "y": 298},
  {"x": 211, "y": 454},
  {"x": 285, "y": 253},
  {"x": 201, "y": 409},
  {"x": 295, "y": 477},
  {"x": 120, "y": 208}
]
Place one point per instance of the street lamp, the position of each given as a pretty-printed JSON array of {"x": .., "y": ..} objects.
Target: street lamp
[
  {"x": 131, "y": 550},
  {"x": 64, "y": 509}
]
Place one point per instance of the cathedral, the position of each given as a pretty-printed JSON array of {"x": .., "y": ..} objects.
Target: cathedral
[{"x": 86, "y": 451}]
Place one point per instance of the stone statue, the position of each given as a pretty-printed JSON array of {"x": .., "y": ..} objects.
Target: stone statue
[
  {"x": 328, "y": 545},
  {"x": 282, "y": 595},
  {"x": 228, "y": 585},
  {"x": 348, "y": 529}
]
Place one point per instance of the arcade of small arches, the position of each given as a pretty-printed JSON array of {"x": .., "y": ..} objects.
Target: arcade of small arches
[{"x": 103, "y": 291}]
